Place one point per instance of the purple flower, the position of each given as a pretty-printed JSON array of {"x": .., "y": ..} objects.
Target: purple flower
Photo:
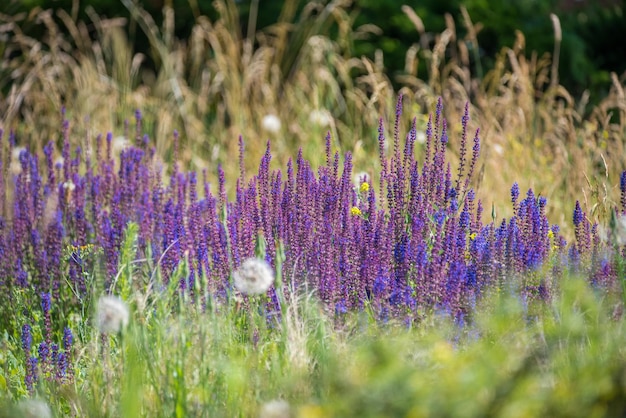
[
  {"x": 44, "y": 352},
  {"x": 340, "y": 308},
  {"x": 578, "y": 215},
  {"x": 542, "y": 202},
  {"x": 62, "y": 367},
  {"x": 27, "y": 339},
  {"x": 68, "y": 339},
  {"x": 419, "y": 242},
  {"x": 31, "y": 375},
  {"x": 622, "y": 186},
  {"x": 21, "y": 276},
  {"x": 45, "y": 303},
  {"x": 514, "y": 193}
]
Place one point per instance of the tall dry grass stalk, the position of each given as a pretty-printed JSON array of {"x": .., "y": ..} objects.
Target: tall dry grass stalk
[
  {"x": 213, "y": 86},
  {"x": 533, "y": 131},
  {"x": 221, "y": 83}
]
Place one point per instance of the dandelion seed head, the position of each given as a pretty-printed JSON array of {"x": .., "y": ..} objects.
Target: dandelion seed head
[
  {"x": 69, "y": 185},
  {"x": 277, "y": 408},
  {"x": 253, "y": 277},
  {"x": 271, "y": 123},
  {"x": 119, "y": 144},
  {"x": 34, "y": 408},
  {"x": 15, "y": 166},
  {"x": 620, "y": 230},
  {"x": 15, "y": 153},
  {"x": 111, "y": 315}
]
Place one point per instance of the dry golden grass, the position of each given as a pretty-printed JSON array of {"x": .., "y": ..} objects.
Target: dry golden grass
[
  {"x": 213, "y": 87},
  {"x": 220, "y": 83},
  {"x": 533, "y": 131}
]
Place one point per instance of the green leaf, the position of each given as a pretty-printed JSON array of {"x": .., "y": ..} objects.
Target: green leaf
[{"x": 128, "y": 253}]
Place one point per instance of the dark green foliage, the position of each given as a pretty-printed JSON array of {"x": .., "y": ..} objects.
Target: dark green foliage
[
  {"x": 599, "y": 33},
  {"x": 185, "y": 10},
  {"x": 589, "y": 50}
]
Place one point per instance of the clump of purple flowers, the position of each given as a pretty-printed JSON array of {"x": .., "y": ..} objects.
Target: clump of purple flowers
[
  {"x": 417, "y": 244},
  {"x": 53, "y": 362}
]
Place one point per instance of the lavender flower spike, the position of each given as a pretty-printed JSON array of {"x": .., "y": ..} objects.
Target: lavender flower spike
[{"x": 578, "y": 214}]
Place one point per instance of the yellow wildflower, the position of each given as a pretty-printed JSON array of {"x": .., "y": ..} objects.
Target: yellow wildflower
[
  {"x": 354, "y": 211},
  {"x": 365, "y": 187},
  {"x": 80, "y": 249},
  {"x": 472, "y": 236}
]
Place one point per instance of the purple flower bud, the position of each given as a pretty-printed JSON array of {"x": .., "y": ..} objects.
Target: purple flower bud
[
  {"x": 444, "y": 133},
  {"x": 464, "y": 219},
  {"x": 45, "y": 302},
  {"x": 68, "y": 338},
  {"x": 578, "y": 214},
  {"x": 44, "y": 352},
  {"x": 514, "y": 192},
  {"x": 340, "y": 308},
  {"x": 27, "y": 338},
  {"x": 62, "y": 366},
  {"x": 622, "y": 186},
  {"x": 31, "y": 374},
  {"x": 542, "y": 202}
]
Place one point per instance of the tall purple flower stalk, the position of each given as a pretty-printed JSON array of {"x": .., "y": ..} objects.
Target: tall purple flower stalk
[
  {"x": 31, "y": 362},
  {"x": 415, "y": 242}
]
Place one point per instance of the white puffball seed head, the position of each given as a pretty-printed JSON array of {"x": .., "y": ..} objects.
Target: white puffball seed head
[
  {"x": 253, "y": 277},
  {"x": 271, "y": 123},
  {"x": 111, "y": 315}
]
